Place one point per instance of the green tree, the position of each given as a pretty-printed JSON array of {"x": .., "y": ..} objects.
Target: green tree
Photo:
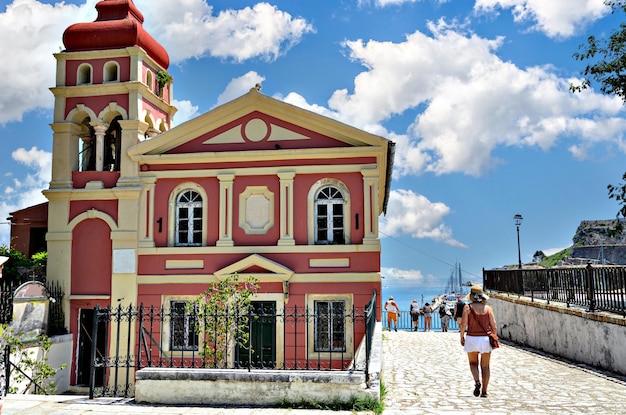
[
  {"x": 17, "y": 260},
  {"x": 220, "y": 316},
  {"x": 606, "y": 65},
  {"x": 605, "y": 57},
  {"x": 29, "y": 368}
]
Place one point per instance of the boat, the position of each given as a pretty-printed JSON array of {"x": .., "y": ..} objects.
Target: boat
[{"x": 454, "y": 288}]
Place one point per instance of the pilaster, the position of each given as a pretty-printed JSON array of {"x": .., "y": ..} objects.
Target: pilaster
[
  {"x": 226, "y": 210},
  {"x": 370, "y": 206},
  {"x": 286, "y": 208},
  {"x": 132, "y": 131},
  {"x": 64, "y": 154}
]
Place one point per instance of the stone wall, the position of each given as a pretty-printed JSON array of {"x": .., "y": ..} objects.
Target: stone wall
[
  {"x": 261, "y": 387},
  {"x": 596, "y": 339},
  {"x": 615, "y": 254}
]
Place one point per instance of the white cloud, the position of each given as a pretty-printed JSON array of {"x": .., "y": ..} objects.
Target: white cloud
[
  {"x": 395, "y": 278},
  {"x": 474, "y": 102},
  {"x": 27, "y": 191},
  {"x": 186, "y": 111},
  {"x": 39, "y": 160},
  {"x": 186, "y": 28},
  {"x": 414, "y": 215},
  {"x": 189, "y": 29},
  {"x": 239, "y": 86},
  {"x": 555, "y": 18},
  {"x": 31, "y": 33},
  {"x": 299, "y": 101}
]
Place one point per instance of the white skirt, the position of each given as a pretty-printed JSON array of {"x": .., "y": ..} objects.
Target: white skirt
[{"x": 478, "y": 344}]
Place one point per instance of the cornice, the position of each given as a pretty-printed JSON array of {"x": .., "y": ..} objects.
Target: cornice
[
  {"x": 255, "y": 155},
  {"x": 92, "y": 194},
  {"x": 287, "y": 249}
]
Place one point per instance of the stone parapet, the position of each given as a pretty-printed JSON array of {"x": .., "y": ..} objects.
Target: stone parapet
[
  {"x": 242, "y": 387},
  {"x": 592, "y": 338}
]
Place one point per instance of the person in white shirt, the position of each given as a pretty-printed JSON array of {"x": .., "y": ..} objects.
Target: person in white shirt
[{"x": 393, "y": 312}]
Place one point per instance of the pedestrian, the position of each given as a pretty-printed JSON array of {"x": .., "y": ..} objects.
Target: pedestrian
[
  {"x": 479, "y": 321},
  {"x": 428, "y": 316},
  {"x": 458, "y": 310},
  {"x": 415, "y": 314},
  {"x": 445, "y": 315},
  {"x": 393, "y": 312}
]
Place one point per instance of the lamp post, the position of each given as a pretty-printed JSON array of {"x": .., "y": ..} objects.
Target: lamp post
[{"x": 518, "y": 221}]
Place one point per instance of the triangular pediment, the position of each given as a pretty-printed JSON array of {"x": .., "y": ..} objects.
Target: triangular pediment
[
  {"x": 256, "y": 122},
  {"x": 258, "y": 266}
]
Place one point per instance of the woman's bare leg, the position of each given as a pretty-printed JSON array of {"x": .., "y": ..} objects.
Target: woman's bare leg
[
  {"x": 472, "y": 357},
  {"x": 485, "y": 358}
]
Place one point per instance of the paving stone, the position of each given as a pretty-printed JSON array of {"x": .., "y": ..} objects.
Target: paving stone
[{"x": 425, "y": 373}]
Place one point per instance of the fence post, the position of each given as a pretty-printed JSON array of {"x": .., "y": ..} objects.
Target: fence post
[
  {"x": 590, "y": 287},
  {"x": 7, "y": 369}
]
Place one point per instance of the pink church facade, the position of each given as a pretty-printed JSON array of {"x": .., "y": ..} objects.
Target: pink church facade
[{"x": 144, "y": 212}]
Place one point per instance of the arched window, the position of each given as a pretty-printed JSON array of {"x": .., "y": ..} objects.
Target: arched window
[
  {"x": 330, "y": 216},
  {"x": 113, "y": 145},
  {"x": 149, "y": 80},
  {"x": 111, "y": 72},
  {"x": 83, "y": 77},
  {"x": 188, "y": 219}
]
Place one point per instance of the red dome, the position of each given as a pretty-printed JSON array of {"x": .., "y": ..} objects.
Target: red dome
[{"x": 119, "y": 25}]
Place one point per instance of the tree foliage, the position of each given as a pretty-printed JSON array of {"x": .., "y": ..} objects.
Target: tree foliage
[
  {"x": 606, "y": 58},
  {"x": 11, "y": 268},
  {"x": 606, "y": 65},
  {"x": 18, "y": 268},
  {"x": 30, "y": 371},
  {"x": 618, "y": 193},
  {"x": 221, "y": 315}
]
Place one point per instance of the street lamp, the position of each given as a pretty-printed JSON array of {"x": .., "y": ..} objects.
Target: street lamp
[{"x": 518, "y": 221}]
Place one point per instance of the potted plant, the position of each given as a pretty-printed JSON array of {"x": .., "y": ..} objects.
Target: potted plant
[{"x": 163, "y": 78}]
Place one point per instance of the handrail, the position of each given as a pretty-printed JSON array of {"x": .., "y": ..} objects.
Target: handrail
[{"x": 597, "y": 287}]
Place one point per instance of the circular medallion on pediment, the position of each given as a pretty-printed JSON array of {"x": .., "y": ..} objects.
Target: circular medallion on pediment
[{"x": 256, "y": 130}]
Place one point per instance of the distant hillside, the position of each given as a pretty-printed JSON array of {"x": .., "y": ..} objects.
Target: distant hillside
[
  {"x": 598, "y": 232},
  {"x": 596, "y": 240}
]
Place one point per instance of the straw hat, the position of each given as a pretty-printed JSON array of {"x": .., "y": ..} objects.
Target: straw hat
[
  {"x": 391, "y": 297},
  {"x": 477, "y": 294}
]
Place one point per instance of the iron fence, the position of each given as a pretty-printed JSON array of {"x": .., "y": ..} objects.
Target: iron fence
[
  {"x": 406, "y": 323},
  {"x": 127, "y": 339},
  {"x": 594, "y": 287}
]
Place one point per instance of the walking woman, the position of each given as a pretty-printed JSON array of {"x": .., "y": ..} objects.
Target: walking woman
[{"x": 479, "y": 321}]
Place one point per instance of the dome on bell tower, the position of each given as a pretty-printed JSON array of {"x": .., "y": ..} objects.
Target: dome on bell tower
[{"x": 119, "y": 25}]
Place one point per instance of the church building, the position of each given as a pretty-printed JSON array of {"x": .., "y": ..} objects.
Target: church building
[{"x": 143, "y": 211}]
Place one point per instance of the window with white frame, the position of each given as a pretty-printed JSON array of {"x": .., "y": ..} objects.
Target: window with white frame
[
  {"x": 183, "y": 334},
  {"x": 330, "y": 326},
  {"x": 329, "y": 216},
  {"x": 189, "y": 214}
]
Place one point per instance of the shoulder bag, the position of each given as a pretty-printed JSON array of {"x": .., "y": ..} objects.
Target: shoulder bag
[{"x": 493, "y": 338}]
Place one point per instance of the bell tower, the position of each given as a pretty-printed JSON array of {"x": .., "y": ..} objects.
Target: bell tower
[{"x": 112, "y": 91}]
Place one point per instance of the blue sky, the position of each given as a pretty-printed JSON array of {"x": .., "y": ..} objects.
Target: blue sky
[{"x": 473, "y": 92}]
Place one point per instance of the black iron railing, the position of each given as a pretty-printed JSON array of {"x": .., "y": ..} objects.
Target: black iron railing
[
  {"x": 370, "y": 326},
  {"x": 293, "y": 338},
  {"x": 594, "y": 287},
  {"x": 56, "y": 318}
]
